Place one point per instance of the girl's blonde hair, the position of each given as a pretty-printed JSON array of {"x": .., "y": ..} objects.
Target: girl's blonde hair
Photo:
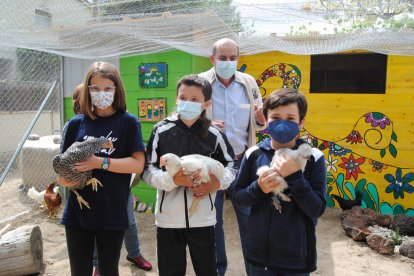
[{"x": 108, "y": 71}]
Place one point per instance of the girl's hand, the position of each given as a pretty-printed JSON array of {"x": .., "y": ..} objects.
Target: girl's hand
[
  {"x": 62, "y": 182},
  {"x": 93, "y": 162},
  {"x": 286, "y": 166},
  {"x": 202, "y": 190},
  {"x": 267, "y": 180}
]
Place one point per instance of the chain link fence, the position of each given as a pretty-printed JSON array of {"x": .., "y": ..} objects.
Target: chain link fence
[{"x": 28, "y": 106}]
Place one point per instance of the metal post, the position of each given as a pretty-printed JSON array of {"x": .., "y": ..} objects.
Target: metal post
[{"x": 28, "y": 131}]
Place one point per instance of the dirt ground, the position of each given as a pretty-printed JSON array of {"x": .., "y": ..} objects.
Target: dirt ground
[{"x": 337, "y": 254}]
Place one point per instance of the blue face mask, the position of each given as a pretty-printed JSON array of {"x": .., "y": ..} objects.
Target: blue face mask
[
  {"x": 283, "y": 131},
  {"x": 188, "y": 110},
  {"x": 226, "y": 69}
]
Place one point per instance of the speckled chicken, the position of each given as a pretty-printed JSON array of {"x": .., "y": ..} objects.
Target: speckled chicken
[{"x": 64, "y": 164}]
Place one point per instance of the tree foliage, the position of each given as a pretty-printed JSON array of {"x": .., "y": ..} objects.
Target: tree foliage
[
  {"x": 353, "y": 15},
  {"x": 369, "y": 14}
]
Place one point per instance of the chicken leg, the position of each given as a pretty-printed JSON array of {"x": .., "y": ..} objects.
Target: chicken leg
[
  {"x": 94, "y": 182},
  {"x": 81, "y": 200}
]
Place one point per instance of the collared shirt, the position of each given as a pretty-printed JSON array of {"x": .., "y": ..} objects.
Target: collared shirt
[{"x": 231, "y": 105}]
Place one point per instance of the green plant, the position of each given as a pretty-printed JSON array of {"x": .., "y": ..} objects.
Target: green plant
[{"x": 396, "y": 237}]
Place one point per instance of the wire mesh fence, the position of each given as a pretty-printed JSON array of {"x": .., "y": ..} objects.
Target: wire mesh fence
[{"x": 26, "y": 78}]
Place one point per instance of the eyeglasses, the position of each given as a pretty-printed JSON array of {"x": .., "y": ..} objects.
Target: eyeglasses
[{"x": 95, "y": 88}]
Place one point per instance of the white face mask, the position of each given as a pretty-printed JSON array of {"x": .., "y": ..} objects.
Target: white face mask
[
  {"x": 226, "y": 68},
  {"x": 102, "y": 99},
  {"x": 189, "y": 110}
]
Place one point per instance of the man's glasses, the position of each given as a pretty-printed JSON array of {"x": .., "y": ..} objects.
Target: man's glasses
[{"x": 95, "y": 88}]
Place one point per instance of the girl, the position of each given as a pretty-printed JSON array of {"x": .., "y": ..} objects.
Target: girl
[
  {"x": 103, "y": 114},
  {"x": 188, "y": 132}
]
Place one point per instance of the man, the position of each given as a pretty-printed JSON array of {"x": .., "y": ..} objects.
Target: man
[{"x": 237, "y": 110}]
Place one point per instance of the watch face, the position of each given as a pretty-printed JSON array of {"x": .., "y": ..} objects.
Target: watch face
[{"x": 105, "y": 166}]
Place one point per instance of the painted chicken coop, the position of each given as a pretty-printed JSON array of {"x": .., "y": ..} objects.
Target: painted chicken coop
[{"x": 360, "y": 114}]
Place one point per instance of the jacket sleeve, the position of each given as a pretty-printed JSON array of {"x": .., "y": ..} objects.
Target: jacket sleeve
[
  {"x": 246, "y": 192},
  {"x": 309, "y": 193},
  {"x": 153, "y": 174},
  {"x": 225, "y": 155}
]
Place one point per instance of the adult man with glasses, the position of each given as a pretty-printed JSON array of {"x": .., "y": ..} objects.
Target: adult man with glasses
[{"x": 237, "y": 110}]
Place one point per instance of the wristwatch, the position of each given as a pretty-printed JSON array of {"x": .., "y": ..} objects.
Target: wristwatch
[{"x": 105, "y": 163}]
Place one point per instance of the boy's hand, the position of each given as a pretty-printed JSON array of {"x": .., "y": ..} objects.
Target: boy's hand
[
  {"x": 181, "y": 178},
  {"x": 267, "y": 181},
  {"x": 204, "y": 189},
  {"x": 286, "y": 166}
]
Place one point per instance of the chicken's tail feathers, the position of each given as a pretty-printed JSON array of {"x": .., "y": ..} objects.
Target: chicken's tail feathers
[
  {"x": 358, "y": 197},
  {"x": 55, "y": 162},
  {"x": 35, "y": 195}
]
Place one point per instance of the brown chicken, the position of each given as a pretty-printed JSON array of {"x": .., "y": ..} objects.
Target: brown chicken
[{"x": 52, "y": 199}]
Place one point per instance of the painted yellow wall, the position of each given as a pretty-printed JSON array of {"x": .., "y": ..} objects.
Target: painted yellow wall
[{"x": 332, "y": 117}]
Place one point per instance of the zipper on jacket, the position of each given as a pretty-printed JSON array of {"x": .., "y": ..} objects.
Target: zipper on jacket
[
  {"x": 268, "y": 237},
  {"x": 162, "y": 200},
  {"x": 187, "y": 222},
  {"x": 211, "y": 202}
]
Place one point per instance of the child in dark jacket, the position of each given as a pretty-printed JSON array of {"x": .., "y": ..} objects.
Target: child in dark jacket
[{"x": 282, "y": 243}]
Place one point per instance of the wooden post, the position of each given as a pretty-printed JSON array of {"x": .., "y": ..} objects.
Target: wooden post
[{"x": 21, "y": 251}]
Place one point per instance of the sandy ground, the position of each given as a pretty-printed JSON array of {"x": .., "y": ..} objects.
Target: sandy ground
[{"x": 337, "y": 254}]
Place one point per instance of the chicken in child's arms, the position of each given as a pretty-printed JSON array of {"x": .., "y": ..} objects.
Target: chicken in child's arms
[
  {"x": 193, "y": 163},
  {"x": 64, "y": 165},
  {"x": 52, "y": 199},
  {"x": 301, "y": 155}
]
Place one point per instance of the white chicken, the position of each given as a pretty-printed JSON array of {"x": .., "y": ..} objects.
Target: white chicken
[
  {"x": 301, "y": 155},
  {"x": 36, "y": 196},
  {"x": 191, "y": 163}
]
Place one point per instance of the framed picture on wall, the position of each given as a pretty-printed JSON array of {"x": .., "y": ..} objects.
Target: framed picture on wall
[
  {"x": 152, "y": 109},
  {"x": 153, "y": 75}
]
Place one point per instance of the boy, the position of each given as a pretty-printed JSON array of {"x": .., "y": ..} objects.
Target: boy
[{"x": 282, "y": 243}]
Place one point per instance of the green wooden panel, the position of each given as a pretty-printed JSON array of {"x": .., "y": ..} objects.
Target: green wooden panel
[
  {"x": 68, "y": 111},
  {"x": 145, "y": 193}
]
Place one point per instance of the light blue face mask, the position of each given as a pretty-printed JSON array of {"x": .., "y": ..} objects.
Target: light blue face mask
[
  {"x": 188, "y": 110},
  {"x": 226, "y": 68}
]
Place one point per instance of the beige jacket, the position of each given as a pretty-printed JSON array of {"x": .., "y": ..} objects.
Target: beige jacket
[{"x": 253, "y": 93}]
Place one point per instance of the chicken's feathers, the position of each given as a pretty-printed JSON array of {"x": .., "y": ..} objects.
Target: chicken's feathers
[{"x": 35, "y": 195}]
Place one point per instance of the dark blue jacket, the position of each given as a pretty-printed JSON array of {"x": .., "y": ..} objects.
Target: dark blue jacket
[{"x": 286, "y": 241}]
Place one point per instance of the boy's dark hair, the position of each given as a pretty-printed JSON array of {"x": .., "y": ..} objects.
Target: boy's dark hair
[
  {"x": 284, "y": 97},
  {"x": 204, "y": 84}
]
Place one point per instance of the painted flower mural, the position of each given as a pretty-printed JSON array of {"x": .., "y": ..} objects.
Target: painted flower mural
[
  {"x": 351, "y": 165},
  {"x": 330, "y": 164},
  {"x": 354, "y": 137},
  {"x": 337, "y": 150},
  {"x": 399, "y": 184},
  {"x": 377, "y": 119}
]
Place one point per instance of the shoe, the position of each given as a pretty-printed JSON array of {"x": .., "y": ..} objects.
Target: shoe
[
  {"x": 140, "y": 262},
  {"x": 96, "y": 272}
]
